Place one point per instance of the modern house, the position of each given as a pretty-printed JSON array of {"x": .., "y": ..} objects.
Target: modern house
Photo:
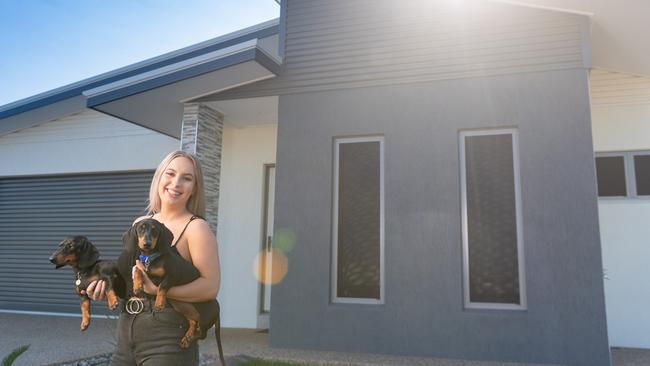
[{"x": 452, "y": 181}]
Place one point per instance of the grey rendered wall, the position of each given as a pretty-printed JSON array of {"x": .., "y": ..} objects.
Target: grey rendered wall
[{"x": 423, "y": 313}]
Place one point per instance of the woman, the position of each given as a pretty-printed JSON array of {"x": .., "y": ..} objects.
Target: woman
[{"x": 176, "y": 199}]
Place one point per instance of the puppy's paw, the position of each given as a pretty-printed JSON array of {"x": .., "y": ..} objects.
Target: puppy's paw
[
  {"x": 161, "y": 299},
  {"x": 84, "y": 325},
  {"x": 185, "y": 342},
  {"x": 112, "y": 300},
  {"x": 190, "y": 335}
]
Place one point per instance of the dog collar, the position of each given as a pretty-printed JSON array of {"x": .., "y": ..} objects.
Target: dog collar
[{"x": 148, "y": 259}]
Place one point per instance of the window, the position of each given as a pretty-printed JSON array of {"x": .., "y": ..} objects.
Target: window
[
  {"x": 358, "y": 227},
  {"x": 642, "y": 174},
  {"x": 493, "y": 266},
  {"x": 611, "y": 176},
  {"x": 623, "y": 174}
]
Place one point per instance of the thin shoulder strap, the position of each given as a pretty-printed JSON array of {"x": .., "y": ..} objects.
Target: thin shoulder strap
[{"x": 186, "y": 225}]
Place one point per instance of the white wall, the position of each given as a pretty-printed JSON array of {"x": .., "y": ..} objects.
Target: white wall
[
  {"x": 86, "y": 142},
  {"x": 621, "y": 128},
  {"x": 245, "y": 151},
  {"x": 625, "y": 237},
  {"x": 625, "y": 230}
]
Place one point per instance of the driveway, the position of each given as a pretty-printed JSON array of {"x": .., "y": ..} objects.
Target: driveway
[{"x": 57, "y": 339}]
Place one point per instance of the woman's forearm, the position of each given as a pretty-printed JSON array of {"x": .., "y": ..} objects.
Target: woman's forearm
[{"x": 198, "y": 290}]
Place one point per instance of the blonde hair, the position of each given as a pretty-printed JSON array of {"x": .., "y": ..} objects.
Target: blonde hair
[{"x": 196, "y": 203}]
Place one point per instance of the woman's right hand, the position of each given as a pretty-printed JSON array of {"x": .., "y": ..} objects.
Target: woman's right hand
[{"x": 96, "y": 290}]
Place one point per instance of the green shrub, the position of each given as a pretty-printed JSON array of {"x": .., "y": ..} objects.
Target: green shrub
[{"x": 11, "y": 357}]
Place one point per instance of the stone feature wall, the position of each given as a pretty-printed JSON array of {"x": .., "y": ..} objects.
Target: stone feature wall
[{"x": 202, "y": 135}]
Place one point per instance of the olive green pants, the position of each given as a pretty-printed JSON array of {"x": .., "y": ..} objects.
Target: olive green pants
[{"x": 152, "y": 338}]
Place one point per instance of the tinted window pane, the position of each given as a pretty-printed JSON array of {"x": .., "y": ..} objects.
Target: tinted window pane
[
  {"x": 610, "y": 171},
  {"x": 642, "y": 173},
  {"x": 358, "y": 220},
  {"x": 491, "y": 219}
]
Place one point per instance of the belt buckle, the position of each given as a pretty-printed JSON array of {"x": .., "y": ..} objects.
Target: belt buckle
[{"x": 134, "y": 305}]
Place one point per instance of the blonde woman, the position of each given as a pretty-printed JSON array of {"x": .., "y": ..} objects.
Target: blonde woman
[{"x": 176, "y": 199}]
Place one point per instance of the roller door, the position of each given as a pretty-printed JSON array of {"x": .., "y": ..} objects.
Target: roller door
[{"x": 36, "y": 213}]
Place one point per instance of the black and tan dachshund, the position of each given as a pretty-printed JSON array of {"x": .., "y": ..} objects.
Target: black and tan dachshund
[
  {"x": 150, "y": 242},
  {"x": 80, "y": 254}
]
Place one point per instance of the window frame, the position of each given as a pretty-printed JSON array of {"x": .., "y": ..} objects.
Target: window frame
[
  {"x": 521, "y": 267},
  {"x": 630, "y": 173},
  {"x": 335, "y": 216}
]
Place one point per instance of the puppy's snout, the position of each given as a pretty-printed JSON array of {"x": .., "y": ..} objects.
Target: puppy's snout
[
  {"x": 54, "y": 259},
  {"x": 147, "y": 242}
]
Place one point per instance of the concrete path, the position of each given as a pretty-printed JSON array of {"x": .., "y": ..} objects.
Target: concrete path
[{"x": 56, "y": 339}]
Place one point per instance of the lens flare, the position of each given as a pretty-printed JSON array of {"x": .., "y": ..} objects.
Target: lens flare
[
  {"x": 284, "y": 240},
  {"x": 270, "y": 267}
]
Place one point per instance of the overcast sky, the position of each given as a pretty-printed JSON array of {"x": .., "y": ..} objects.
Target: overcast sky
[{"x": 45, "y": 44}]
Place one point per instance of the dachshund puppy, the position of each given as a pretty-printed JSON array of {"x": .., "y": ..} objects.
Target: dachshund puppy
[
  {"x": 80, "y": 254},
  {"x": 150, "y": 242}
]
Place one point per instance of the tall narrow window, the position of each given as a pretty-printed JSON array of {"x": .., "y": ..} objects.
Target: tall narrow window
[
  {"x": 492, "y": 241},
  {"x": 358, "y": 220}
]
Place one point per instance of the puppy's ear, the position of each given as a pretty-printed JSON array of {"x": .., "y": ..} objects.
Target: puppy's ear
[
  {"x": 87, "y": 253},
  {"x": 130, "y": 239},
  {"x": 165, "y": 239}
]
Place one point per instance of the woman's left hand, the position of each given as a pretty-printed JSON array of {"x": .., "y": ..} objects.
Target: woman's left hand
[
  {"x": 149, "y": 287},
  {"x": 96, "y": 290}
]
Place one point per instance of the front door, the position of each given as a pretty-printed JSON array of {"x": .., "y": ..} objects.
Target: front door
[{"x": 264, "y": 311}]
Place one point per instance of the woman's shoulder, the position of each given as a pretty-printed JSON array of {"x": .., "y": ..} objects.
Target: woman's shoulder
[
  {"x": 199, "y": 227},
  {"x": 197, "y": 223}
]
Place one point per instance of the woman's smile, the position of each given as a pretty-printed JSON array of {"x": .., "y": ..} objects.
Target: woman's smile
[{"x": 173, "y": 193}]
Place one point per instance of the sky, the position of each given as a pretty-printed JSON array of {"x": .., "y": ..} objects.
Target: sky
[{"x": 46, "y": 44}]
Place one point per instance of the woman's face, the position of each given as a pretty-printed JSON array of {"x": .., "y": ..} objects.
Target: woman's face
[{"x": 177, "y": 182}]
